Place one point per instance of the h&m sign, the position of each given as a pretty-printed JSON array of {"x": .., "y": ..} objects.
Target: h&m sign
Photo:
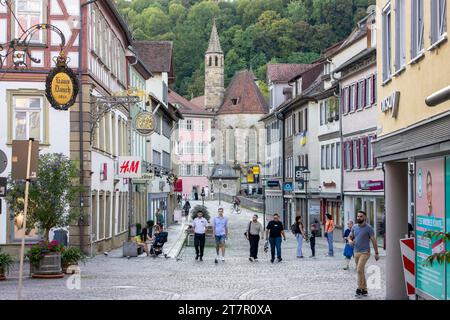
[
  {"x": 390, "y": 104},
  {"x": 130, "y": 167}
]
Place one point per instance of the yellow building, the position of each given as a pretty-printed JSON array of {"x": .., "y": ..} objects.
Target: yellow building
[{"x": 413, "y": 140}]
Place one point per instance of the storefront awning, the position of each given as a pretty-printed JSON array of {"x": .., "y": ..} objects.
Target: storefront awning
[{"x": 178, "y": 186}]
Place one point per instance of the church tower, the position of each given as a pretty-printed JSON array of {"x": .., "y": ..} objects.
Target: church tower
[{"x": 214, "y": 72}]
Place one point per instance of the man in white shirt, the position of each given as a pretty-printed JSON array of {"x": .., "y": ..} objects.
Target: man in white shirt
[{"x": 199, "y": 224}]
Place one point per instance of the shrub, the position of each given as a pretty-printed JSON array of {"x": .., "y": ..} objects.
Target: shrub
[
  {"x": 72, "y": 255},
  {"x": 201, "y": 208},
  {"x": 6, "y": 261},
  {"x": 39, "y": 250}
]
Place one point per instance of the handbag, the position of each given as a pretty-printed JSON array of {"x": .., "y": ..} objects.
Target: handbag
[
  {"x": 348, "y": 251},
  {"x": 247, "y": 233}
]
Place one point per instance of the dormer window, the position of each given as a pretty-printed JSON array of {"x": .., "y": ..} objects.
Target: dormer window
[
  {"x": 298, "y": 87},
  {"x": 235, "y": 101}
]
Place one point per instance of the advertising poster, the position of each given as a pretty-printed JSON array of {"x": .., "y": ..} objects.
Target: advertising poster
[
  {"x": 430, "y": 216},
  {"x": 447, "y": 204}
]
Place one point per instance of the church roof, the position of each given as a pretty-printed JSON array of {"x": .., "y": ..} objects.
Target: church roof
[
  {"x": 243, "y": 96},
  {"x": 214, "y": 41},
  {"x": 199, "y": 101},
  {"x": 187, "y": 107}
]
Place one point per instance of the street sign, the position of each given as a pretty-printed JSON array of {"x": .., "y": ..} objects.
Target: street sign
[
  {"x": 273, "y": 183},
  {"x": 3, "y": 184},
  {"x": 130, "y": 167},
  {"x": 288, "y": 187},
  {"x": 20, "y": 157},
  {"x": 61, "y": 86},
  {"x": 299, "y": 173},
  {"x": 3, "y": 161}
]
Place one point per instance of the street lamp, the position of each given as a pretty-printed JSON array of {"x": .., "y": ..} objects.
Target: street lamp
[
  {"x": 219, "y": 173},
  {"x": 306, "y": 175}
]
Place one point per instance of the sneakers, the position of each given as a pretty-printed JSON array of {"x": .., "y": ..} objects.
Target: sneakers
[
  {"x": 358, "y": 293},
  {"x": 201, "y": 258},
  {"x": 196, "y": 257},
  {"x": 364, "y": 293},
  {"x": 272, "y": 260},
  {"x": 255, "y": 259},
  {"x": 300, "y": 257},
  {"x": 251, "y": 259},
  {"x": 223, "y": 259},
  {"x": 216, "y": 260},
  {"x": 346, "y": 268},
  {"x": 280, "y": 259}
]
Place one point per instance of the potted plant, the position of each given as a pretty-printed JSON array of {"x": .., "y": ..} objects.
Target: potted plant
[
  {"x": 201, "y": 208},
  {"x": 6, "y": 261},
  {"x": 71, "y": 257},
  {"x": 45, "y": 259}
]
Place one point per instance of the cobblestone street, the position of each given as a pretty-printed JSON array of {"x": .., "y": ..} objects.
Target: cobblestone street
[{"x": 114, "y": 277}]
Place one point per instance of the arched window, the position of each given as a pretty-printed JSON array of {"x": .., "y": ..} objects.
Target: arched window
[
  {"x": 222, "y": 62},
  {"x": 217, "y": 61},
  {"x": 252, "y": 147},
  {"x": 230, "y": 145},
  {"x": 210, "y": 61}
]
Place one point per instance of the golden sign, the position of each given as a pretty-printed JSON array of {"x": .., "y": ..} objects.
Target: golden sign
[
  {"x": 62, "y": 88},
  {"x": 255, "y": 170},
  {"x": 145, "y": 123}
]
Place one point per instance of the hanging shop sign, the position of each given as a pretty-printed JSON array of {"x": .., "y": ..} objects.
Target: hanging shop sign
[
  {"x": 130, "y": 167},
  {"x": 61, "y": 86},
  {"x": 330, "y": 184},
  {"x": 273, "y": 184},
  {"x": 390, "y": 104},
  {"x": 371, "y": 185},
  {"x": 288, "y": 187},
  {"x": 144, "y": 123}
]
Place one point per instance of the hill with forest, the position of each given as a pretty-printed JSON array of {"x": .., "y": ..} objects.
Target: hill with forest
[{"x": 252, "y": 32}]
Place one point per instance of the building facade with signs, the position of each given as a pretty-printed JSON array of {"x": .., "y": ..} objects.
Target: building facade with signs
[
  {"x": 413, "y": 142},
  {"x": 192, "y": 147},
  {"x": 363, "y": 179},
  {"x": 23, "y": 104}
]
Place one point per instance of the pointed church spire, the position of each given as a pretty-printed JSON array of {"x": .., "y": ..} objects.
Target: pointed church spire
[{"x": 214, "y": 41}]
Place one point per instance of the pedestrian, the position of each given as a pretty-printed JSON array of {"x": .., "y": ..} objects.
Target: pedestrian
[
  {"x": 300, "y": 235},
  {"x": 348, "y": 249},
  {"x": 186, "y": 208},
  {"x": 329, "y": 228},
  {"x": 360, "y": 236},
  {"x": 202, "y": 194},
  {"x": 312, "y": 240},
  {"x": 160, "y": 219},
  {"x": 254, "y": 230},
  {"x": 220, "y": 232},
  {"x": 199, "y": 224},
  {"x": 273, "y": 233}
]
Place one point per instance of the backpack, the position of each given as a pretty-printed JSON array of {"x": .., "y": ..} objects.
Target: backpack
[{"x": 294, "y": 229}]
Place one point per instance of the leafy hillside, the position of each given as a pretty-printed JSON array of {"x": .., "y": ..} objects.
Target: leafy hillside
[{"x": 252, "y": 32}]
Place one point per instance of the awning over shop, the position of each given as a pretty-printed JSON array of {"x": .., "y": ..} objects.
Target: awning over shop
[{"x": 178, "y": 186}]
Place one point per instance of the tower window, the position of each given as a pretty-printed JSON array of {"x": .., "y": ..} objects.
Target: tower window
[
  {"x": 235, "y": 101},
  {"x": 217, "y": 61},
  {"x": 210, "y": 61}
]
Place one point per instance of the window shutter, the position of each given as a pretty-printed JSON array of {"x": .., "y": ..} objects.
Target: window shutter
[
  {"x": 357, "y": 96},
  {"x": 363, "y": 94},
  {"x": 306, "y": 119},
  {"x": 293, "y": 123},
  {"x": 374, "y": 161},
  {"x": 342, "y": 100},
  {"x": 344, "y": 146},
  {"x": 358, "y": 153},
  {"x": 365, "y": 144},
  {"x": 350, "y": 146},
  {"x": 373, "y": 95},
  {"x": 347, "y": 107}
]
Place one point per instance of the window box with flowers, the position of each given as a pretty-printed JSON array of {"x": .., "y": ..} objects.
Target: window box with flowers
[{"x": 45, "y": 259}]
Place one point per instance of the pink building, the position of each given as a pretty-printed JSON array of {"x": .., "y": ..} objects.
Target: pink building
[{"x": 193, "y": 146}]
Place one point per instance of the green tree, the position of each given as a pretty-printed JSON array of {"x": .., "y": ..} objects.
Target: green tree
[{"x": 50, "y": 196}]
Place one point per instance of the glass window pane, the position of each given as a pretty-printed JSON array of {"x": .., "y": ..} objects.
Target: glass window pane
[
  {"x": 21, "y": 126},
  {"x": 35, "y": 125}
]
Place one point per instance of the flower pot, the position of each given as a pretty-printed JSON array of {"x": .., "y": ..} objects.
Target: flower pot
[
  {"x": 49, "y": 267},
  {"x": 2, "y": 274},
  {"x": 336, "y": 117}
]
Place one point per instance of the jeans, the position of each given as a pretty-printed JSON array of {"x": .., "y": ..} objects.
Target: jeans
[
  {"x": 312, "y": 242},
  {"x": 330, "y": 243},
  {"x": 275, "y": 243},
  {"x": 299, "y": 244},
  {"x": 199, "y": 243},
  {"x": 361, "y": 260},
  {"x": 254, "y": 242}
]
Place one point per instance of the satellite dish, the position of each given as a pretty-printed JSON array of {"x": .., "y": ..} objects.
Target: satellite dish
[{"x": 3, "y": 161}]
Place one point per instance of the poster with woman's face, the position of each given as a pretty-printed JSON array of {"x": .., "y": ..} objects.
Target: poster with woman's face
[{"x": 430, "y": 188}]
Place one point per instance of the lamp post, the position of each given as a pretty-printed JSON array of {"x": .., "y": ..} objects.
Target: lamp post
[
  {"x": 219, "y": 173},
  {"x": 306, "y": 175}
]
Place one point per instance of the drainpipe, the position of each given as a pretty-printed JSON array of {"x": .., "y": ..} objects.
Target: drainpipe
[{"x": 280, "y": 117}]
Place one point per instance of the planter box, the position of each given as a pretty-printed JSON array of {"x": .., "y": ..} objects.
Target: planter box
[{"x": 49, "y": 267}]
